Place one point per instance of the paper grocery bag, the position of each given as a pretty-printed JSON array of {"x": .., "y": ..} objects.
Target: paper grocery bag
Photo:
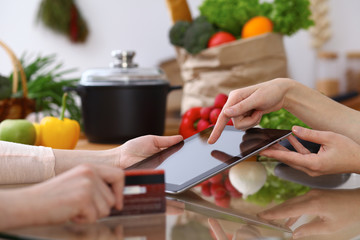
[{"x": 230, "y": 66}]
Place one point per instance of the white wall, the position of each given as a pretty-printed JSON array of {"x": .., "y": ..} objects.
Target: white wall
[
  {"x": 344, "y": 18},
  {"x": 143, "y": 25}
]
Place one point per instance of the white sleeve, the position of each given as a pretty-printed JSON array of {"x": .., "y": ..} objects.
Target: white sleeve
[{"x": 20, "y": 163}]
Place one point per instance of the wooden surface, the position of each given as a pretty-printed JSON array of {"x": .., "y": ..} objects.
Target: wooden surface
[
  {"x": 353, "y": 103},
  {"x": 171, "y": 128}
]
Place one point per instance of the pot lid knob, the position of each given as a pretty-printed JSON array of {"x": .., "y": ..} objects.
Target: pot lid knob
[{"x": 123, "y": 59}]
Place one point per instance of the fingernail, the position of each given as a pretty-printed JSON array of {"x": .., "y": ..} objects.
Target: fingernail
[
  {"x": 229, "y": 111},
  {"x": 297, "y": 235},
  {"x": 296, "y": 129}
]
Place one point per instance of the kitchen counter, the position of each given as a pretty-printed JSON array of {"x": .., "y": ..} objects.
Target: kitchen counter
[{"x": 326, "y": 207}]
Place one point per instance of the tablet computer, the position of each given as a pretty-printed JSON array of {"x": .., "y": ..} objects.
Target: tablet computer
[{"x": 193, "y": 160}]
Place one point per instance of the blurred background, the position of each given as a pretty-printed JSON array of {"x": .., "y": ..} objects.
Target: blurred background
[{"x": 143, "y": 26}]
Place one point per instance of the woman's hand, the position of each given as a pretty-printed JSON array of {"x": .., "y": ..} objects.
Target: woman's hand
[
  {"x": 333, "y": 209},
  {"x": 123, "y": 156},
  {"x": 82, "y": 194},
  {"x": 246, "y": 106},
  {"x": 337, "y": 154},
  {"x": 140, "y": 148},
  {"x": 243, "y": 232}
]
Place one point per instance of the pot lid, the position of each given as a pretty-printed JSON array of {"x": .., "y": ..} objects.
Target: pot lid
[{"x": 123, "y": 72}]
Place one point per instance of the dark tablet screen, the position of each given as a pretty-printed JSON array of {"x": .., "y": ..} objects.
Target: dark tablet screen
[{"x": 194, "y": 160}]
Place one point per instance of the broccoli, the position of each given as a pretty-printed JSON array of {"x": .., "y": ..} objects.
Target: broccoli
[
  {"x": 230, "y": 15},
  {"x": 198, "y": 35},
  {"x": 177, "y": 33},
  {"x": 290, "y": 16}
]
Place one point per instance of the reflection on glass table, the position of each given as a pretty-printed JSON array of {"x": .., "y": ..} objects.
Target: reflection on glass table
[
  {"x": 150, "y": 227},
  {"x": 318, "y": 214},
  {"x": 330, "y": 210},
  {"x": 283, "y": 185},
  {"x": 280, "y": 207}
]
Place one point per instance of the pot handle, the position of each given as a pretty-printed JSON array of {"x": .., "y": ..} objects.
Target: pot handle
[
  {"x": 80, "y": 91},
  {"x": 177, "y": 87}
]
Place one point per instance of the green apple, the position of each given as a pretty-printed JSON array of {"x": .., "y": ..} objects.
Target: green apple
[{"x": 18, "y": 131}]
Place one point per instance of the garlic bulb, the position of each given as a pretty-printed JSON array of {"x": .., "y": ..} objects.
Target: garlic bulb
[
  {"x": 321, "y": 31},
  {"x": 248, "y": 177}
]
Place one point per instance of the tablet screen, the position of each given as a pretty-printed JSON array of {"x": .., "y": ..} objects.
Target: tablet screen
[{"x": 194, "y": 160}]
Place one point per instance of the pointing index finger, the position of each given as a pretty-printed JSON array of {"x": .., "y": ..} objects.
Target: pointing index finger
[
  {"x": 218, "y": 128},
  {"x": 223, "y": 119}
]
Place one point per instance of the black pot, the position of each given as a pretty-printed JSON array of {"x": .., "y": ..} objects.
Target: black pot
[{"x": 123, "y": 102}]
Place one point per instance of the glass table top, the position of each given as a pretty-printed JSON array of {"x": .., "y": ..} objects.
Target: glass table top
[{"x": 289, "y": 204}]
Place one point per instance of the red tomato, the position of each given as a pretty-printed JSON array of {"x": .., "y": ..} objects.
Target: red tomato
[
  {"x": 216, "y": 179},
  {"x": 220, "y": 100},
  {"x": 214, "y": 115},
  {"x": 205, "y": 189},
  {"x": 205, "y": 112},
  {"x": 202, "y": 125},
  {"x": 223, "y": 201},
  {"x": 218, "y": 190},
  {"x": 220, "y": 38}
]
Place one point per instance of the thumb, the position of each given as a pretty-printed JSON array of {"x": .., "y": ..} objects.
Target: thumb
[
  {"x": 167, "y": 141},
  {"x": 311, "y": 135}
]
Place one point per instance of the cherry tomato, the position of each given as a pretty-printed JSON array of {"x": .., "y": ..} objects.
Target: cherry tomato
[{"x": 220, "y": 38}]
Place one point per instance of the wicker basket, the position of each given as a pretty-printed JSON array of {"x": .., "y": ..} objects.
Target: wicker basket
[{"x": 16, "y": 108}]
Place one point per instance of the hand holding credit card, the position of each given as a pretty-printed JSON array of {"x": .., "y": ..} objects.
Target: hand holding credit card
[{"x": 144, "y": 192}]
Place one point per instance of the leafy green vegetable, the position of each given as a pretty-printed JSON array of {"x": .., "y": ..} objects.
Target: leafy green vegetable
[
  {"x": 230, "y": 15},
  {"x": 177, "y": 33},
  {"x": 275, "y": 189},
  {"x": 290, "y": 16},
  {"x": 198, "y": 35},
  {"x": 45, "y": 82},
  {"x": 280, "y": 119}
]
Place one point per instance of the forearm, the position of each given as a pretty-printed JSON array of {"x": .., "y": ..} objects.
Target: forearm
[
  {"x": 66, "y": 159},
  {"x": 321, "y": 112},
  {"x": 15, "y": 212},
  {"x": 24, "y": 163}
]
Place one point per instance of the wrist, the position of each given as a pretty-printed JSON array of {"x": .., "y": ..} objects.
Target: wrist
[
  {"x": 114, "y": 156},
  {"x": 14, "y": 211},
  {"x": 291, "y": 92}
]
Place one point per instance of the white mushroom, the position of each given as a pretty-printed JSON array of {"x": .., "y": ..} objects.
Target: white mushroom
[{"x": 248, "y": 177}]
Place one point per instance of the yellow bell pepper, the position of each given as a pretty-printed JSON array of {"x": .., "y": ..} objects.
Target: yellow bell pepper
[
  {"x": 60, "y": 133},
  {"x": 38, "y": 136}
]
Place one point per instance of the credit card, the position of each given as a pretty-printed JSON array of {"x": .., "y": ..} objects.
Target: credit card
[{"x": 144, "y": 192}]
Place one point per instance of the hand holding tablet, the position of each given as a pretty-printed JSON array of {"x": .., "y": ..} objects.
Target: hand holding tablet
[{"x": 193, "y": 160}]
